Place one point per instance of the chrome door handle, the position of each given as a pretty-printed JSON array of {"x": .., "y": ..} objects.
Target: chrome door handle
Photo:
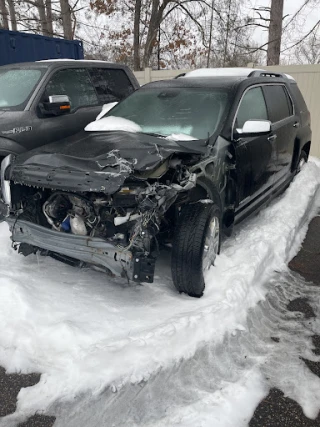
[{"x": 272, "y": 138}]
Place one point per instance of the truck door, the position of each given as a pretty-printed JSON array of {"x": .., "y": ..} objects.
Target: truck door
[
  {"x": 284, "y": 126},
  {"x": 256, "y": 155},
  {"x": 77, "y": 85}
]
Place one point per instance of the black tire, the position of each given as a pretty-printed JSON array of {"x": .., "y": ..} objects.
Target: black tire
[
  {"x": 303, "y": 158},
  {"x": 188, "y": 246}
]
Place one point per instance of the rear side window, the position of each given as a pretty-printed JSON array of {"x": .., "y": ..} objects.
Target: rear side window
[
  {"x": 252, "y": 107},
  {"x": 76, "y": 84},
  {"x": 111, "y": 85},
  {"x": 302, "y": 107},
  {"x": 278, "y": 101}
]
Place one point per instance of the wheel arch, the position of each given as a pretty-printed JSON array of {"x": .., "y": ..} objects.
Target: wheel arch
[
  {"x": 206, "y": 189},
  {"x": 306, "y": 148},
  {"x": 298, "y": 147},
  {"x": 7, "y": 146}
]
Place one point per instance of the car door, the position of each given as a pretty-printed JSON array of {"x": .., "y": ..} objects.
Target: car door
[
  {"x": 256, "y": 154},
  {"x": 85, "y": 105},
  {"x": 284, "y": 127}
]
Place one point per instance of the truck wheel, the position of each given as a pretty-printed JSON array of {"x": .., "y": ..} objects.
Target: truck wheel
[{"x": 196, "y": 244}]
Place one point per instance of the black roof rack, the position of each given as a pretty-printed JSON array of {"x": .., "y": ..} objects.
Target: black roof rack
[{"x": 259, "y": 73}]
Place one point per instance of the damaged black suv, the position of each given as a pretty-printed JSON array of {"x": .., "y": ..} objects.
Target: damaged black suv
[{"x": 177, "y": 162}]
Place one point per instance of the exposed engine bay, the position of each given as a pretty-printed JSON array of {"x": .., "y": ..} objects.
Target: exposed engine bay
[{"x": 133, "y": 219}]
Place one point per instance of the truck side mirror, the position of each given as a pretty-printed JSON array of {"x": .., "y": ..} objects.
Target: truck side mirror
[
  {"x": 56, "y": 106},
  {"x": 255, "y": 128}
]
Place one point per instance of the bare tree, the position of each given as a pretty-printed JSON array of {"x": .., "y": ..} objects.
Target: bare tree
[
  {"x": 4, "y": 15},
  {"x": 309, "y": 51},
  {"x": 43, "y": 17},
  {"x": 13, "y": 16},
  {"x": 275, "y": 32},
  {"x": 156, "y": 16},
  {"x": 66, "y": 16},
  {"x": 48, "y": 6},
  {"x": 225, "y": 49},
  {"x": 136, "y": 36}
]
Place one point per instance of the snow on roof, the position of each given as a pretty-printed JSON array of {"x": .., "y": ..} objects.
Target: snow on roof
[
  {"x": 72, "y": 59},
  {"x": 56, "y": 60},
  {"x": 221, "y": 72},
  {"x": 232, "y": 72},
  {"x": 289, "y": 77}
]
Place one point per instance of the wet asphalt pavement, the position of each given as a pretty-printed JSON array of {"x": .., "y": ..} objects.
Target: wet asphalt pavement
[
  {"x": 275, "y": 410},
  {"x": 10, "y": 385}
]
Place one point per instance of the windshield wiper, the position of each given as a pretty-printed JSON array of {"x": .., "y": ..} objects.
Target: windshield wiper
[{"x": 155, "y": 134}]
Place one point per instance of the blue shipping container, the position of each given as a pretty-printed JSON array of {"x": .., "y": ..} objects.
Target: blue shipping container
[{"x": 24, "y": 47}]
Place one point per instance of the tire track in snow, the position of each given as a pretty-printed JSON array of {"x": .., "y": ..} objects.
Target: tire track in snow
[{"x": 192, "y": 392}]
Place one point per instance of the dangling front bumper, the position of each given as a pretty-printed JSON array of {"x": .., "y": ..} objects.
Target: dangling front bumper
[{"x": 91, "y": 250}]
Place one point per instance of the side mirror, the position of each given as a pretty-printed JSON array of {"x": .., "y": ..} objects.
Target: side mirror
[
  {"x": 57, "y": 105},
  {"x": 255, "y": 127}
]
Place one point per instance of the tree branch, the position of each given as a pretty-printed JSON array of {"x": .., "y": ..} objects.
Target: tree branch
[{"x": 303, "y": 38}]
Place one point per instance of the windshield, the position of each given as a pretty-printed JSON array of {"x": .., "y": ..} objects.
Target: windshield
[
  {"x": 182, "y": 112},
  {"x": 16, "y": 86}
]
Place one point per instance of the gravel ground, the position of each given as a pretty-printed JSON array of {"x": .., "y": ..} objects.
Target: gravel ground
[
  {"x": 276, "y": 410},
  {"x": 10, "y": 385}
]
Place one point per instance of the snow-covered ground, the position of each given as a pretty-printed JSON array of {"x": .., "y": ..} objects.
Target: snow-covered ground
[{"x": 100, "y": 342}]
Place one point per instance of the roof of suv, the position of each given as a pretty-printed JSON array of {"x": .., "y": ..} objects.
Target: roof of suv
[
  {"x": 234, "y": 72},
  {"x": 205, "y": 82},
  {"x": 221, "y": 77}
]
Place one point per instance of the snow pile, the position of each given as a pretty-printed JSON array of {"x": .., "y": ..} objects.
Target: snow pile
[
  {"x": 112, "y": 123},
  {"x": 220, "y": 72},
  {"x": 105, "y": 109},
  {"x": 85, "y": 331}
]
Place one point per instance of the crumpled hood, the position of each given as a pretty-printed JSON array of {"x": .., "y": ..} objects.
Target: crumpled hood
[{"x": 94, "y": 161}]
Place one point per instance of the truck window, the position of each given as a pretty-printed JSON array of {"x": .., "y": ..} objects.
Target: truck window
[
  {"x": 16, "y": 87},
  {"x": 252, "y": 107},
  {"x": 112, "y": 85},
  {"x": 76, "y": 84},
  {"x": 278, "y": 101}
]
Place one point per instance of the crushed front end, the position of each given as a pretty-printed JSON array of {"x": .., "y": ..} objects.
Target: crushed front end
[{"x": 112, "y": 217}]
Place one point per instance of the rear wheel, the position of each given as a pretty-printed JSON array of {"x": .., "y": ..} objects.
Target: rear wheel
[{"x": 195, "y": 246}]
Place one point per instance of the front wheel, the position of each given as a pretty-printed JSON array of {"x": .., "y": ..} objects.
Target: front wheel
[{"x": 196, "y": 244}]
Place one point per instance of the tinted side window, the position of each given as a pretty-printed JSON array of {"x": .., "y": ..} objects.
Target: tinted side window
[
  {"x": 299, "y": 98},
  {"x": 252, "y": 107},
  {"x": 76, "y": 84},
  {"x": 112, "y": 85},
  {"x": 278, "y": 101}
]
